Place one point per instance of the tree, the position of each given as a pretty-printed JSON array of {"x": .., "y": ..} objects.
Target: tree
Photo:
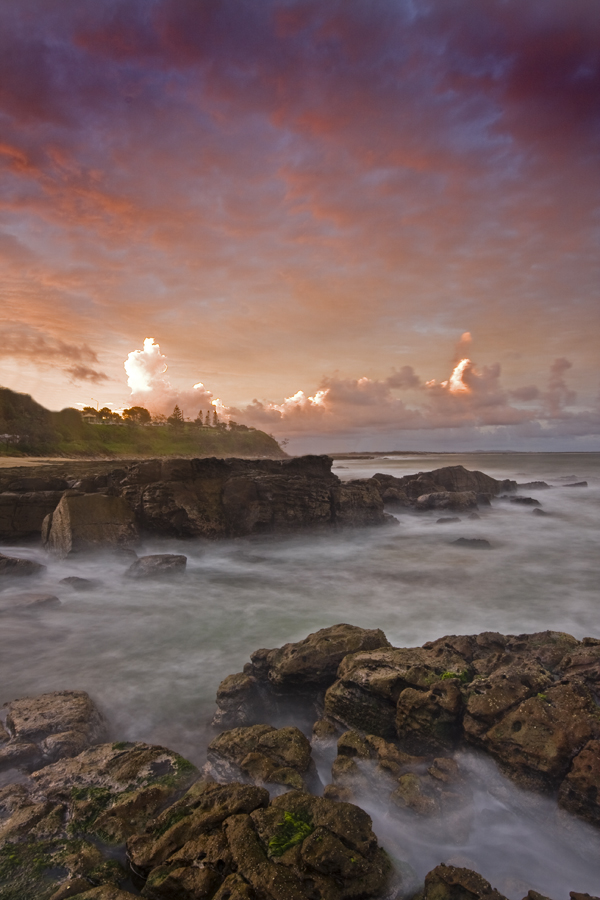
[
  {"x": 90, "y": 411},
  {"x": 137, "y": 415},
  {"x": 215, "y": 419},
  {"x": 176, "y": 417},
  {"x": 198, "y": 420}
]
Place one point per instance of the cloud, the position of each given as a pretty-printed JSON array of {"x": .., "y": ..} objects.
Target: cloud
[
  {"x": 43, "y": 350},
  {"x": 146, "y": 370}
]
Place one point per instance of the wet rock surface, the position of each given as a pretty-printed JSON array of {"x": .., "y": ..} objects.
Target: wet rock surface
[
  {"x": 84, "y": 522},
  {"x": 14, "y": 567}
]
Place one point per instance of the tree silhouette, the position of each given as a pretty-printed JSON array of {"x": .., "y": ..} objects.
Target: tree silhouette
[
  {"x": 137, "y": 415},
  {"x": 198, "y": 420},
  {"x": 176, "y": 417}
]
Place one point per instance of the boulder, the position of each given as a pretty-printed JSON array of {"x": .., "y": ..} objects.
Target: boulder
[
  {"x": 84, "y": 522},
  {"x": 50, "y": 726},
  {"x": 297, "y": 671},
  {"x": 157, "y": 565},
  {"x": 454, "y": 883},
  {"x": 537, "y": 511},
  {"x": 448, "y": 520},
  {"x": 454, "y": 500},
  {"x": 580, "y": 791},
  {"x": 357, "y": 503},
  {"x": 430, "y": 721},
  {"x": 367, "y": 766},
  {"x": 369, "y": 684},
  {"x": 457, "y": 478},
  {"x": 77, "y": 583},
  {"x": 14, "y": 567},
  {"x": 263, "y": 755},
  {"x": 525, "y": 501},
  {"x": 22, "y": 514}
]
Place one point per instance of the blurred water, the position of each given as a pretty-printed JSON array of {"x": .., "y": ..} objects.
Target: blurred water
[{"x": 152, "y": 655}]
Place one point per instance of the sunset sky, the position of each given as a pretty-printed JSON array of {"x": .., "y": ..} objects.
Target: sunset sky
[{"x": 315, "y": 212}]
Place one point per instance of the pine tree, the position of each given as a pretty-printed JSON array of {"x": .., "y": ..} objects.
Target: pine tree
[
  {"x": 199, "y": 420},
  {"x": 176, "y": 417}
]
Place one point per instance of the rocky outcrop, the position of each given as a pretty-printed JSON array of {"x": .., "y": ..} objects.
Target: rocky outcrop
[
  {"x": 228, "y": 840},
  {"x": 265, "y": 756},
  {"x": 455, "y": 482},
  {"x": 45, "y": 728},
  {"x": 84, "y": 522},
  {"x": 301, "y": 671}
]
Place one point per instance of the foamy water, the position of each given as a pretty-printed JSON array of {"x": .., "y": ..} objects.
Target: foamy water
[{"x": 152, "y": 655}]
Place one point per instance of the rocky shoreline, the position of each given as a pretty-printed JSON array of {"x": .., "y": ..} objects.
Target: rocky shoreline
[
  {"x": 84, "y": 816},
  {"x": 305, "y": 735}
]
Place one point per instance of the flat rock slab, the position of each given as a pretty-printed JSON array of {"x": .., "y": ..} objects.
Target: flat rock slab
[
  {"x": 13, "y": 566},
  {"x": 28, "y": 602},
  {"x": 157, "y": 566}
]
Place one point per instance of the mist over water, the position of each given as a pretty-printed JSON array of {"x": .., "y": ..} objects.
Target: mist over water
[{"x": 153, "y": 654}]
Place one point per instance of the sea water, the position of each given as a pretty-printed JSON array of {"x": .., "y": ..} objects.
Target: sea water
[{"x": 152, "y": 654}]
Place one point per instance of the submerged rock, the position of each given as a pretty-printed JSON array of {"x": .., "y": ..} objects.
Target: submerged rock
[
  {"x": 14, "y": 567},
  {"x": 28, "y": 602},
  {"x": 157, "y": 565},
  {"x": 473, "y": 543},
  {"x": 525, "y": 501},
  {"x": 454, "y": 500}
]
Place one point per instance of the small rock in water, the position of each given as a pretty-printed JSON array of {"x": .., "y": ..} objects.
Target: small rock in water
[
  {"x": 525, "y": 501},
  {"x": 534, "y": 486},
  {"x": 448, "y": 519},
  {"x": 577, "y": 484},
  {"x": 539, "y": 512},
  {"x": 473, "y": 543},
  {"x": 474, "y": 516},
  {"x": 26, "y": 602},
  {"x": 12, "y": 565},
  {"x": 79, "y": 584},
  {"x": 157, "y": 565}
]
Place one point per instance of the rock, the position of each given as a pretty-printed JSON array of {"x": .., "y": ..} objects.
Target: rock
[
  {"x": 28, "y": 602},
  {"x": 453, "y": 883},
  {"x": 472, "y": 543},
  {"x": 525, "y": 501},
  {"x": 298, "y": 671},
  {"x": 157, "y": 566},
  {"x": 357, "y": 503},
  {"x": 454, "y": 500},
  {"x": 534, "y": 486},
  {"x": 538, "y": 738},
  {"x": 458, "y": 479},
  {"x": 48, "y": 727},
  {"x": 105, "y": 892},
  {"x": 369, "y": 684},
  {"x": 12, "y": 566},
  {"x": 575, "y": 895},
  {"x": 473, "y": 515},
  {"x": 367, "y": 765},
  {"x": 430, "y": 721},
  {"x": 539, "y": 512},
  {"x": 576, "y": 484},
  {"x": 84, "y": 522},
  {"x": 111, "y": 791},
  {"x": 78, "y": 584},
  {"x": 263, "y": 755},
  {"x": 22, "y": 514},
  {"x": 448, "y": 520},
  {"x": 580, "y": 791},
  {"x": 226, "y": 838}
]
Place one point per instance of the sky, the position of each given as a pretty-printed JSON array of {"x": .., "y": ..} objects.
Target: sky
[{"x": 359, "y": 224}]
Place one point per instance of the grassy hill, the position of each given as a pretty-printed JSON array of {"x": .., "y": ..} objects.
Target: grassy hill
[{"x": 28, "y": 429}]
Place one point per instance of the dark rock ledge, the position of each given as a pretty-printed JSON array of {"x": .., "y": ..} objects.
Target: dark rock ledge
[
  {"x": 80, "y": 816},
  {"x": 212, "y": 498}
]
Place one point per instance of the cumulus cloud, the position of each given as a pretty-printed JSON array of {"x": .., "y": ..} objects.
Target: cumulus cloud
[{"x": 146, "y": 376}]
